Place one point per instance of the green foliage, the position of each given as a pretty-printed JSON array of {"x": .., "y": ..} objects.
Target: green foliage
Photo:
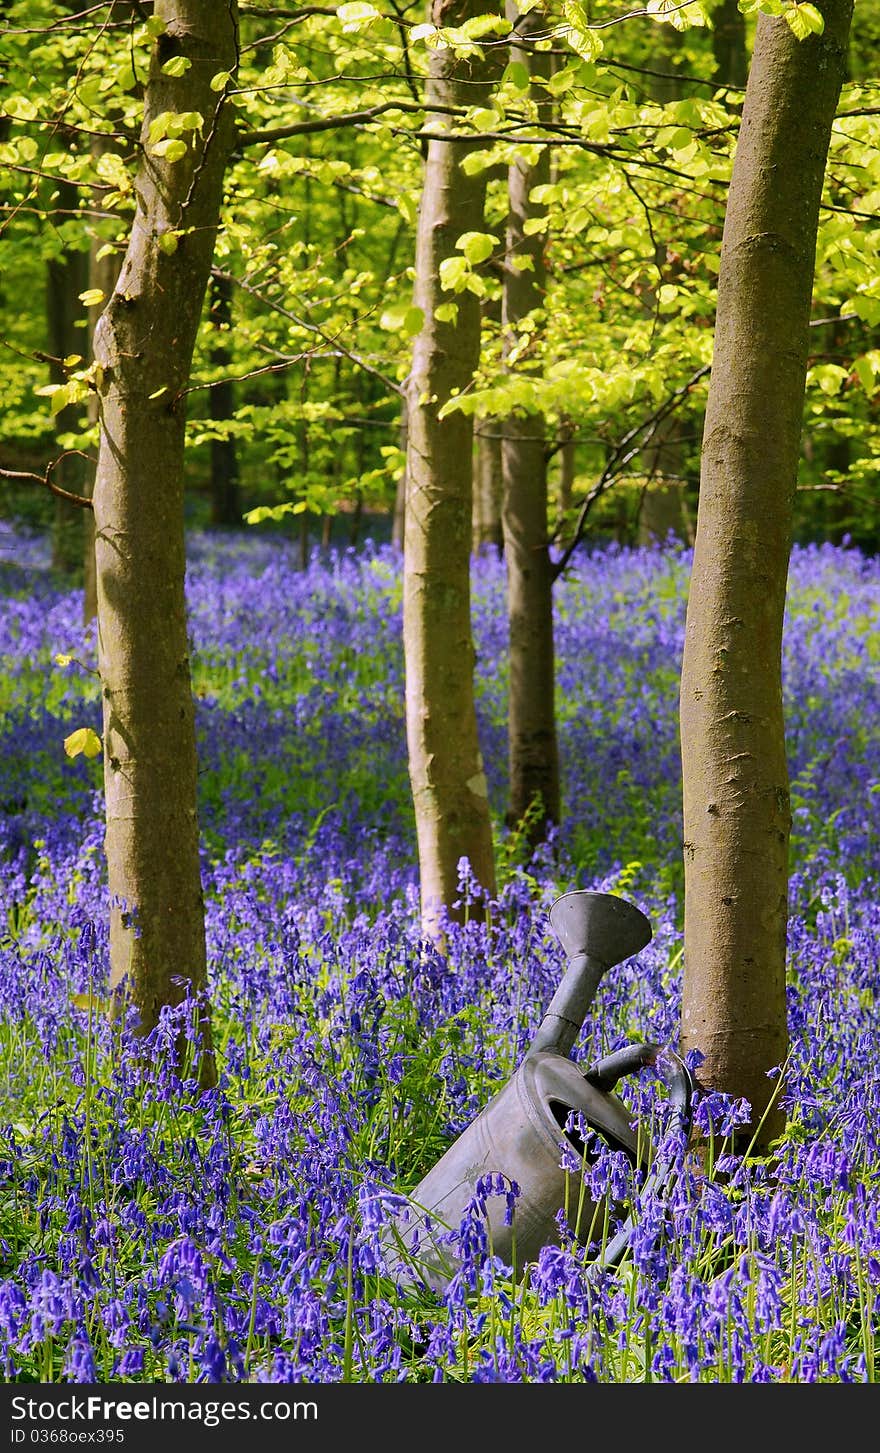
[{"x": 318, "y": 236}]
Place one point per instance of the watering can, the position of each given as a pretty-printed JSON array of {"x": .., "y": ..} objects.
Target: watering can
[{"x": 521, "y": 1133}]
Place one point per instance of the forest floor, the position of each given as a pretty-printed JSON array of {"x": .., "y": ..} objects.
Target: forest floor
[{"x": 147, "y": 1234}]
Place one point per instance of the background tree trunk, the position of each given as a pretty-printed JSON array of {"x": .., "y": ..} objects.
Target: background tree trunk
[
  {"x": 662, "y": 508},
  {"x": 736, "y": 801},
  {"x": 729, "y": 44},
  {"x": 103, "y": 272},
  {"x": 446, "y": 769},
  {"x": 487, "y": 530},
  {"x": 66, "y": 278},
  {"x": 533, "y": 756},
  {"x": 225, "y": 493},
  {"x": 398, "y": 523},
  {"x": 144, "y": 345},
  {"x": 567, "y": 466}
]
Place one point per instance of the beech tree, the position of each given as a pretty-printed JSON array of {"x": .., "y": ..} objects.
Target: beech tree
[
  {"x": 143, "y": 351},
  {"x": 736, "y": 799},
  {"x": 532, "y": 746},
  {"x": 450, "y": 794}
]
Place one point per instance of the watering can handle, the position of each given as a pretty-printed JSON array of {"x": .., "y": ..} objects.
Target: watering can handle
[
  {"x": 604, "y": 1076},
  {"x": 634, "y": 1057}
]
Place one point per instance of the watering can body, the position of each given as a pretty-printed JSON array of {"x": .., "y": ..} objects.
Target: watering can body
[{"x": 520, "y": 1136}]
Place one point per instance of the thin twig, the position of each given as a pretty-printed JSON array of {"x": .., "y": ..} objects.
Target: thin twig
[
  {"x": 632, "y": 443},
  {"x": 25, "y": 476}
]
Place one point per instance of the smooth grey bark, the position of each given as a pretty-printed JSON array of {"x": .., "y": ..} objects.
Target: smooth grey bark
[
  {"x": 736, "y": 799},
  {"x": 533, "y": 755},
  {"x": 398, "y": 520},
  {"x": 103, "y": 272},
  {"x": 449, "y": 787},
  {"x": 143, "y": 346}
]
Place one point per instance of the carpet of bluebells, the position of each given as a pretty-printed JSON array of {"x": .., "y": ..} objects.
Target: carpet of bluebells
[{"x": 151, "y": 1234}]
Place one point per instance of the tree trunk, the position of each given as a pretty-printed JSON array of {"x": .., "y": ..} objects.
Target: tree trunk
[
  {"x": 143, "y": 345},
  {"x": 729, "y": 44},
  {"x": 532, "y": 747},
  {"x": 398, "y": 522},
  {"x": 736, "y": 800},
  {"x": 225, "y": 493},
  {"x": 567, "y": 466},
  {"x": 661, "y": 508},
  {"x": 446, "y": 770},
  {"x": 487, "y": 532},
  {"x": 103, "y": 272},
  {"x": 66, "y": 278}
]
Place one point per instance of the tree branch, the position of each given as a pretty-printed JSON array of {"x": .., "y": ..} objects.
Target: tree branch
[
  {"x": 25, "y": 476},
  {"x": 328, "y": 338},
  {"x": 632, "y": 443}
]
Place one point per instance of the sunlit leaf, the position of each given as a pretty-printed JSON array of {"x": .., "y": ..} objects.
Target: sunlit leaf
[{"x": 84, "y": 741}]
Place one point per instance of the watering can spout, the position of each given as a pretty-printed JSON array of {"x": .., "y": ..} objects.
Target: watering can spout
[{"x": 595, "y": 930}]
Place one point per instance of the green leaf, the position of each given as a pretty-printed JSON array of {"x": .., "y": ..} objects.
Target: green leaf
[
  {"x": 453, "y": 274},
  {"x": 392, "y": 319},
  {"x": 479, "y": 25},
  {"x": 92, "y": 297},
  {"x": 562, "y": 81},
  {"x": 866, "y": 308},
  {"x": 170, "y": 150},
  {"x": 273, "y": 512},
  {"x": 82, "y": 740},
  {"x": 517, "y": 75},
  {"x": 159, "y": 127},
  {"x": 829, "y": 377},
  {"x": 804, "y": 20},
  {"x": 168, "y": 240},
  {"x": 580, "y": 37},
  {"x": 477, "y": 246},
  {"x": 177, "y": 66},
  {"x": 446, "y": 313},
  {"x": 865, "y": 369},
  {"x": 413, "y": 322},
  {"x": 356, "y": 14},
  {"x": 221, "y": 80},
  {"x": 90, "y": 1003}
]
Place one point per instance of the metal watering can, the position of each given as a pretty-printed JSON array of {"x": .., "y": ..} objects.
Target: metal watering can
[{"x": 521, "y": 1133}]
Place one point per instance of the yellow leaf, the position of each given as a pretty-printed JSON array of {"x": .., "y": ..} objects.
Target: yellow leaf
[
  {"x": 61, "y": 660},
  {"x": 92, "y": 297},
  {"x": 88, "y": 1002},
  {"x": 82, "y": 740}
]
